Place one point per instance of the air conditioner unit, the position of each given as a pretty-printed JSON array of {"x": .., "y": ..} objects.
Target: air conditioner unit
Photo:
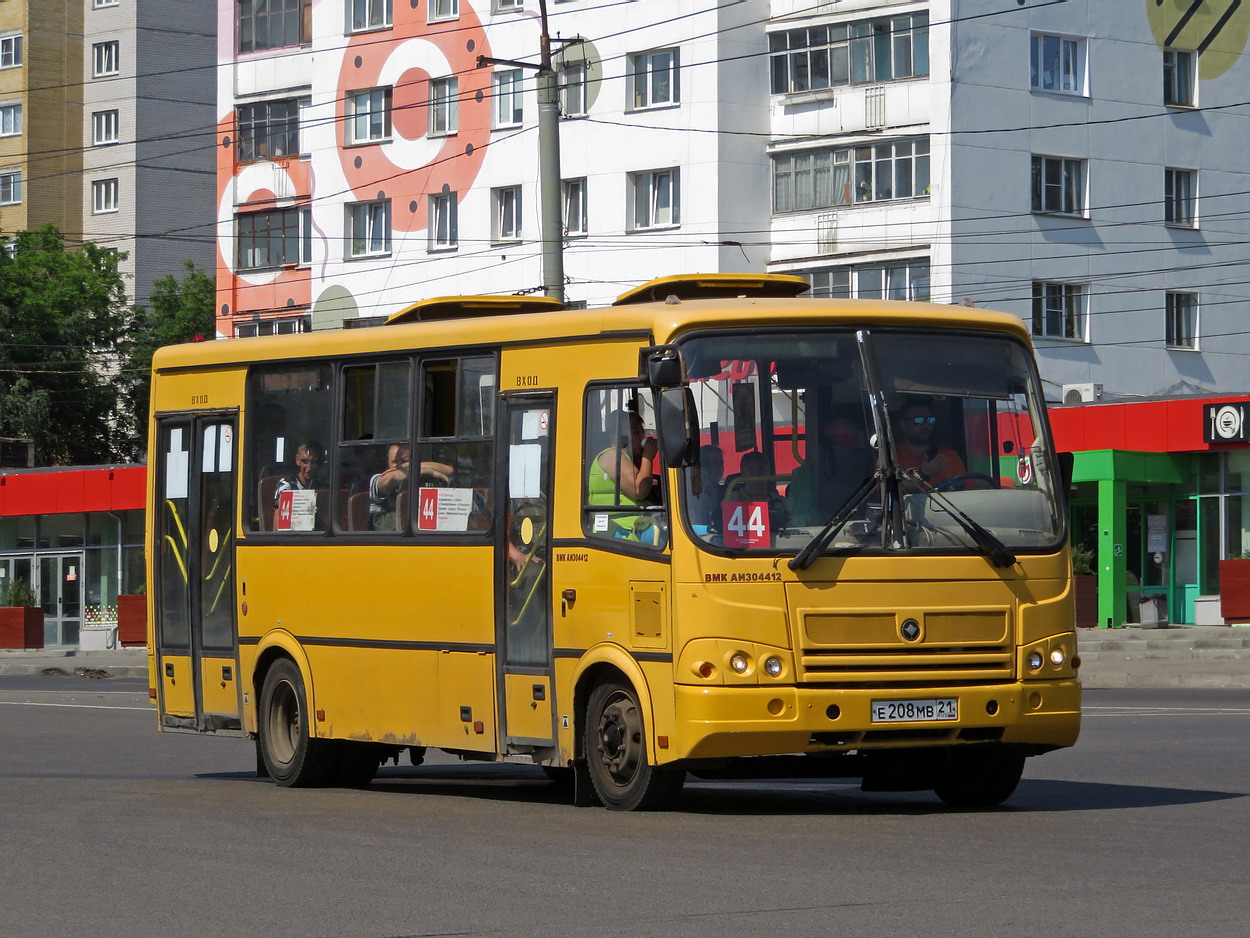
[{"x": 1081, "y": 393}]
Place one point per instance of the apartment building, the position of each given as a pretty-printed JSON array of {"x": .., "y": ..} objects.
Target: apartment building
[
  {"x": 148, "y": 88},
  {"x": 40, "y": 113}
]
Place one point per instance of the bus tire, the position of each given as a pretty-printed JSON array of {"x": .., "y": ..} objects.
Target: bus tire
[
  {"x": 357, "y": 764},
  {"x": 978, "y": 778},
  {"x": 616, "y": 754},
  {"x": 293, "y": 757}
]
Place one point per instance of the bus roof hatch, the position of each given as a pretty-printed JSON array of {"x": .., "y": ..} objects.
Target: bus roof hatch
[
  {"x": 710, "y": 286},
  {"x": 469, "y": 307}
]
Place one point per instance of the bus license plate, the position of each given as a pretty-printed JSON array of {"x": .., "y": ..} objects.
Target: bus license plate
[{"x": 910, "y": 711}]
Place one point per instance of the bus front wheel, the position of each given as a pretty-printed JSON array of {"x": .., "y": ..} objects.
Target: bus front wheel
[
  {"x": 293, "y": 757},
  {"x": 616, "y": 754},
  {"x": 976, "y": 778}
]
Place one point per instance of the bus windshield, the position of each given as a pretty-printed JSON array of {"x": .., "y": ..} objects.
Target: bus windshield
[{"x": 912, "y": 439}]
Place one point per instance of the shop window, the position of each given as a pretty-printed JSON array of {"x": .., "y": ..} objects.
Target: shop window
[{"x": 623, "y": 495}]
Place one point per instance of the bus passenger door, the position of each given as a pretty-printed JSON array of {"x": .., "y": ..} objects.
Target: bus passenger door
[
  {"x": 196, "y": 631},
  {"x": 523, "y": 628}
]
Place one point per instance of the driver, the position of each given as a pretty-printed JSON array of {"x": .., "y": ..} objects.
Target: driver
[{"x": 918, "y": 447}]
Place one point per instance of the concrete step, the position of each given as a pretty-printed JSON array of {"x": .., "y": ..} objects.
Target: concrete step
[
  {"x": 1137, "y": 647},
  {"x": 1171, "y": 654}
]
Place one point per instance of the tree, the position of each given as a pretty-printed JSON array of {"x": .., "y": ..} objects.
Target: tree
[
  {"x": 180, "y": 312},
  {"x": 62, "y": 312}
]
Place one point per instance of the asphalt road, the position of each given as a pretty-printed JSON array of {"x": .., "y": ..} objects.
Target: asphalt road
[{"x": 109, "y": 828}]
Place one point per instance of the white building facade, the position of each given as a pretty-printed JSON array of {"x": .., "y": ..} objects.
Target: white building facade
[{"x": 1075, "y": 163}]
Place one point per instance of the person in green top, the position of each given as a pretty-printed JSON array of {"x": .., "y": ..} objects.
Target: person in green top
[{"x": 623, "y": 475}]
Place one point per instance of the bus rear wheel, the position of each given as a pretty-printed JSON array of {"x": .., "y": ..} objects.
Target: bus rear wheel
[
  {"x": 977, "y": 778},
  {"x": 616, "y": 754},
  {"x": 293, "y": 757}
]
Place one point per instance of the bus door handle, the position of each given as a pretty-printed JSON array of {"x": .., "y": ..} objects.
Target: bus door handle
[{"x": 567, "y": 598}]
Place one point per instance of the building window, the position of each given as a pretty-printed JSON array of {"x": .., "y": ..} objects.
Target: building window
[
  {"x": 444, "y": 106},
  {"x": 1058, "y": 185},
  {"x": 1178, "y": 77},
  {"x": 506, "y": 87},
  {"x": 10, "y": 120},
  {"x": 572, "y": 84},
  {"x": 574, "y": 192},
  {"x": 305, "y": 236},
  {"x": 1180, "y": 190},
  {"x": 655, "y": 199},
  {"x": 829, "y": 56},
  {"x": 104, "y": 127},
  {"x": 368, "y": 115},
  {"x": 896, "y": 280},
  {"x": 98, "y": 4},
  {"x": 11, "y": 187},
  {"x": 105, "y": 59},
  {"x": 370, "y": 14},
  {"x": 814, "y": 179},
  {"x": 268, "y": 239},
  {"x": 288, "y": 326},
  {"x": 503, "y": 6},
  {"x": 10, "y": 51},
  {"x": 443, "y": 222},
  {"x": 1182, "y": 320},
  {"x": 103, "y": 196},
  {"x": 271, "y": 24},
  {"x": 444, "y": 9},
  {"x": 654, "y": 79},
  {"x": 268, "y": 129},
  {"x": 1057, "y": 63},
  {"x": 369, "y": 228},
  {"x": 1059, "y": 310},
  {"x": 506, "y": 221}
]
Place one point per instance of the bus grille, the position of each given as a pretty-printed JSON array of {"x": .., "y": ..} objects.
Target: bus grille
[{"x": 954, "y": 648}]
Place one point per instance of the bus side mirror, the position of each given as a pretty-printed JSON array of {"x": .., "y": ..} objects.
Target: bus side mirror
[
  {"x": 1066, "y": 463},
  {"x": 663, "y": 366},
  {"x": 678, "y": 425}
]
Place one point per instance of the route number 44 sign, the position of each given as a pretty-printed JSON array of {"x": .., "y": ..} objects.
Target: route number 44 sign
[{"x": 745, "y": 524}]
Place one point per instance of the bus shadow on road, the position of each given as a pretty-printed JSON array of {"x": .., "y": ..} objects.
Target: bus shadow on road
[{"x": 1047, "y": 795}]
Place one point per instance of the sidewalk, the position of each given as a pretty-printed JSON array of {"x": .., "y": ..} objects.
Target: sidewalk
[{"x": 121, "y": 662}]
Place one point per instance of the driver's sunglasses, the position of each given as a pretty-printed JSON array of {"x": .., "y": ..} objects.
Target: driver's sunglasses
[{"x": 921, "y": 421}]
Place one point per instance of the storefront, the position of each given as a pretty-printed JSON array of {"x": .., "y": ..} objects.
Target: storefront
[
  {"x": 75, "y": 536},
  {"x": 1159, "y": 497}
]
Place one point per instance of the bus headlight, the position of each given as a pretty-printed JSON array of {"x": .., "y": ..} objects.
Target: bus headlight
[
  {"x": 1035, "y": 660},
  {"x": 772, "y": 666},
  {"x": 739, "y": 663},
  {"x": 1057, "y": 657}
]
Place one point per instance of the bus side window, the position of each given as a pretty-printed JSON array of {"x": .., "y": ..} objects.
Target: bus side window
[
  {"x": 288, "y": 414},
  {"x": 375, "y": 448},
  {"x": 622, "y": 467},
  {"x": 455, "y": 446}
]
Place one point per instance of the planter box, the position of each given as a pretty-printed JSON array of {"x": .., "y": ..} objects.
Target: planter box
[
  {"x": 1235, "y": 591},
  {"x": 132, "y": 620},
  {"x": 1085, "y": 589},
  {"x": 21, "y": 627}
]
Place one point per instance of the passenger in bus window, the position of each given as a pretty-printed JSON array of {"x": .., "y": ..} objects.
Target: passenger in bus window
[
  {"x": 384, "y": 488},
  {"x": 918, "y": 446},
  {"x": 309, "y": 457},
  {"x": 839, "y": 463},
  {"x": 755, "y": 483},
  {"x": 623, "y": 475},
  {"x": 705, "y": 507}
]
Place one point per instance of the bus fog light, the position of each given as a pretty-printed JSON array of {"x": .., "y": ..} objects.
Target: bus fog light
[
  {"x": 1057, "y": 656},
  {"x": 772, "y": 666},
  {"x": 1035, "y": 660},
  {"x": 739, "y": 663}
]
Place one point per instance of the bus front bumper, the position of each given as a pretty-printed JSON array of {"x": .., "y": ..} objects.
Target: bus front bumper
[{"x": 722, "y": 722}]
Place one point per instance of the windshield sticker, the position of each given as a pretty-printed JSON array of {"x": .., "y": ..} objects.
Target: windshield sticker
[
  {"x": 297, "y": 510},
  {"x": 1024, "y": 470},
  {"x": 746, "y": 524}
]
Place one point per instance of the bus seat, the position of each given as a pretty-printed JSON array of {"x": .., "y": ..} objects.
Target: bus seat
[
  {"x": 264, "y": 500},
  {"x": 358, "y": 512},
  {"x": 401, "y": 509}
]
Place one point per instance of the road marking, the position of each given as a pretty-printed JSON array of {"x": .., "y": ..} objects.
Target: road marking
[{"x": 31, "y": 703}]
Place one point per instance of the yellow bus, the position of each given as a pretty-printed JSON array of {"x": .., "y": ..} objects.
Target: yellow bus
[{"x": 714, "y": 529}]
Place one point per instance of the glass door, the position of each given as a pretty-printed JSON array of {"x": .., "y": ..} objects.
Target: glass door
[{"x": 60, "y": 596}]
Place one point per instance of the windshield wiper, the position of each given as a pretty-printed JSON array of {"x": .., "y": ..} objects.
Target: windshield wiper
[
  {"x": 816, "y": 546},
  {"x": 998, "y": 552}
]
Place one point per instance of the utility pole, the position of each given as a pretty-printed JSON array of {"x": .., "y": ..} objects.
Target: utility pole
[{"x": 552, "y": 227}]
